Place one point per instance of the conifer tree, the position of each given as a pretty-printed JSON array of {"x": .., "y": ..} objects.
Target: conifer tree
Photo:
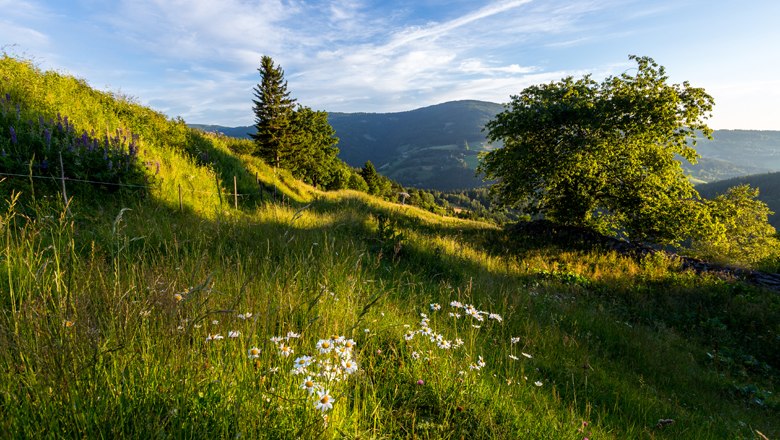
[{"x": 273, "y": 109}]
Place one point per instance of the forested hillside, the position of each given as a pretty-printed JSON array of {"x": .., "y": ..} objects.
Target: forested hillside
[{"x": 768, "y": 185}]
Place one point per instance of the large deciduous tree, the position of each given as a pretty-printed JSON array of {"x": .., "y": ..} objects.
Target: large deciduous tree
[
  {"x": 603, "y": 155},
  {"x": 274, "y": 110}
]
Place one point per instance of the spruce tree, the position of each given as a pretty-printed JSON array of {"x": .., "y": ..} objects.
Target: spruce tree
[{"x": 273, "y": 109}]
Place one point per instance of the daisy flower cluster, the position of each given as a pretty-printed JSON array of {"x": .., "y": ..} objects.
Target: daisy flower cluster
[
  {"x": 333, "y": 361},
  {"x": 471, "y": 311},
  {"x": 435, "y": 338}
]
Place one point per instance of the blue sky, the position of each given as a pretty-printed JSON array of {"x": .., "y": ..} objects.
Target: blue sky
[{"x": 198, "y": 59}]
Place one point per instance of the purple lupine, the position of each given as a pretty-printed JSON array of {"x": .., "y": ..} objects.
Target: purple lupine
[
  {"x": 47, "y": 136},
  {"x": 8, "y": 97},
  {"x": 41, "y": 122},
  {"x": 18, "y": 111},
  {"x": 84, "y": 139},
  {"x": 13, "y": 135},
  {"x": 67, "y": 124},
  {"x": 59, "y": 127},
  {"x": 44, "y": 165}
]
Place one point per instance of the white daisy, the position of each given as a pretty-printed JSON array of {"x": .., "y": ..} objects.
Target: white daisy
[
  {"x": 285, "y": 350},
  {"x": 325, "y": 346},
  {"x": 349, "y": 366},
  {"x": 254, "y": 353},
  {"x": 324, "y": 401},
  {"x": 457, "y": 304},
  {"x": 526, "y": 355},
  {"x": 515, "y": 340},
  {"x": 234, "y": 334},
  {"x": 495, "y": 316},
  {"x": 309, "y": 385},
  {"x": 435, "y": 307}
]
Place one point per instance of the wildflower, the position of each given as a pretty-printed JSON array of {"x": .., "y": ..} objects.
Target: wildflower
[
  {"x": 246, "y": 315},
  {"x": 309, "y": 385},
  {"x": 481, "y": 362},
  {"x": 454, "y": 315},
  {"x": 513, "y": 357},
  {"x": 349, "y": 344},
  {"x": 234, "y": 334},
  {"x": 349, "y": 366},
  {"x": 420, "y": 382},
  {"x": 13, "y": 135},
  {"x": 476, "y": 326},
  {"x": 424, "y": 316},
  {"x": 276, "y": 339},
  {"x": 324, "y": 401},
  {"x": 409, "y": 336},
  {"x": 456, "y": 304},
  {"x": 215, "y": 337},
  {"x": 365, "y": 330},
  {"x": 495, "y": 316},
  {"x": 145, "y": 313},
  {"x": 343, "y": 352},
  {"x": 303, "y": 361},
  {"x": 215, "y": 322},
  {"x": 292, "y": 335},
  {"x": 68, "y": 323},
  {"x": 325, "y": 346},
  {"x": 415, "y": 355},
  {"x": 435, "y": 307},
  {"x": 254, "y": 353},
  {"x": 458, "y": 342},
  {"x": 526, "y": 355},
  {"x": 538, "y": 383},
  {"x": 444, "y": 344},
  {"x": 285, "y": 350},
  {"x": 178, "y": 297},
  {"x": 515, "y": 340}
]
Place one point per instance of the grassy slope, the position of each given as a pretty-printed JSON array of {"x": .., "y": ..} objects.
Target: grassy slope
[{"x": 615, "y": 343}]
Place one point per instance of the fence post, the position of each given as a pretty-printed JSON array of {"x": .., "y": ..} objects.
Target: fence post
[
  {"x": 62, "y": 179},
  {"x": 235, "y": 192},
  {"x": 181, "y": 208}
]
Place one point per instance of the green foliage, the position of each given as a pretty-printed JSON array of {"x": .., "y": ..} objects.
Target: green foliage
[
  {"x": 740, "y": 232},
  {"x": 315, "y": 160},
  {"x": 273, "y": 109},
  {"x": 602, "y": 155}
]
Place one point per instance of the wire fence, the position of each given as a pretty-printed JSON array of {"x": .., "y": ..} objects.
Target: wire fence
[{"x": 235, "y": 194}]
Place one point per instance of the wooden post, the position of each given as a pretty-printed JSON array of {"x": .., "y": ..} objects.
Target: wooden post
[
  {"x": 235, "y": 192},
  {"x": 181, "y": 208},
  {"x": 62, "y": 179}
]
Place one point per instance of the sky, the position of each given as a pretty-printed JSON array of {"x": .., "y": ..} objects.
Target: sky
[{"x": 198, "y": 59}]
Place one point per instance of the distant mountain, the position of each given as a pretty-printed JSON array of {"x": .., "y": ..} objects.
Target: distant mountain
[
  {"x": 436, "y": 147},
  {"x": 431, "y": 147},
  {"x": 768, "y": 185}
]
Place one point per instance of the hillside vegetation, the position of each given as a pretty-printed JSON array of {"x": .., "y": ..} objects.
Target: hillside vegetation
[
  {"x": 768, "y": 184},
  {"x": 305, "y": 314}
]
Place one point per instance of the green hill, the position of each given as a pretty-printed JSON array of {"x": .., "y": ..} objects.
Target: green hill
[
  {"x": 768, "y": 184},
  {"x": 167, "y": 310}
]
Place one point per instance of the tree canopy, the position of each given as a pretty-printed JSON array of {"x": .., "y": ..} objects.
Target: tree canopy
[
  {"x": 603, "y": 155},
  {"x": 273, "y": 109},
  {"x": 295, "y": 138}
]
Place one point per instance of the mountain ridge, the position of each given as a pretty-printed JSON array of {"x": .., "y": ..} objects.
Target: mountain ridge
[{"x": 437, "y": 146}]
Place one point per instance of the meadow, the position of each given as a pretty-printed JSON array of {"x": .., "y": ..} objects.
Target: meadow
[{"x": 309, "y": 314}]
